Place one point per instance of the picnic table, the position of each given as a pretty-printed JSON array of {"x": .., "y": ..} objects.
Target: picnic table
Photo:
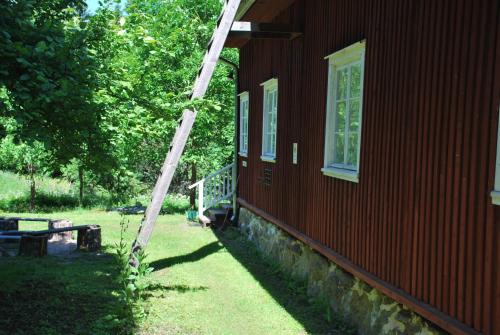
[{"x": 34, "y": 242}]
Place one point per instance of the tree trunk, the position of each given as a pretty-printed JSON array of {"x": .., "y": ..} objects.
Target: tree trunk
[
  {"x": 80, "y": 178},
  {"x": 31, "y": 171},
  {"x": 192, "y": 194}
]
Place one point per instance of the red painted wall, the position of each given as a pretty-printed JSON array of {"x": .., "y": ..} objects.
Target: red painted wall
[{"x": 421, "y": 217}]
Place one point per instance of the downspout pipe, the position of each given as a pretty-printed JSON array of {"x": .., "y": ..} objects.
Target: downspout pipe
[{"x": 236, "y": 210}]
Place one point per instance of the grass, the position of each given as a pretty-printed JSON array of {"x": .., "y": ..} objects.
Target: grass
[
  {"x": 206, "y": 283},
  {"x": 51, "y": 194},
  {"x": 54, "y": 195},
  {"x": 14, "y": 186}
]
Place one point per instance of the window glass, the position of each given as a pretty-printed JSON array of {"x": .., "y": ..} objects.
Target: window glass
[
  {"x": 244, "y": 109},
  {"x": 344, "y": 110},
  {"x": 270, "y": 119}
]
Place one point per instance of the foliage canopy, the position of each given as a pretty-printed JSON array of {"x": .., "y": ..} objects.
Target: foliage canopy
[{"x": 100, "y": 95}]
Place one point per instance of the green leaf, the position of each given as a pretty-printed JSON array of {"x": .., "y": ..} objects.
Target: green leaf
[
  {"x": 41, "y": 46},
  {"x": 130, "y": 288},
  {"x": 23, "y": 61},
  {"x": 7, "y": 35}
]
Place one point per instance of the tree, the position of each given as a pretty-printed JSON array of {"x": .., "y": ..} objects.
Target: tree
[
  {"x": 152, "y": 56},
  {"x": 48, "y": 75},
  {"x": 105, "y": 92},
  {"x": 24, "y": 158}
]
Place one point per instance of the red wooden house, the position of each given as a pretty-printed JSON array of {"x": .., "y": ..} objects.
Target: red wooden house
[{"x": 368, "y": 131}]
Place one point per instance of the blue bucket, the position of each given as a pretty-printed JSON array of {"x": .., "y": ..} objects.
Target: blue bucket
[{"x": 191, "y": 215}]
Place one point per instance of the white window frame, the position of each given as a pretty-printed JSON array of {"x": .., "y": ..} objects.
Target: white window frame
[
  {"x": 244, "y": 114},
  {"x": 346, "y": 57},
  {"x": 495, "y": 194},
  {"x": 269, "y": 135}
]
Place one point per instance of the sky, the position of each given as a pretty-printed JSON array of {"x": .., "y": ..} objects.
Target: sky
[{"x": 94, "y": 4}]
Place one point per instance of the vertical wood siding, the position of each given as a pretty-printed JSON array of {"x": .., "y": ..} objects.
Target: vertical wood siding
[{"x": 421, "y": 217}]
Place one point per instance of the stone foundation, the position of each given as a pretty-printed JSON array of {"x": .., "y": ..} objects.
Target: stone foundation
[{"x": 360, "y": 305}]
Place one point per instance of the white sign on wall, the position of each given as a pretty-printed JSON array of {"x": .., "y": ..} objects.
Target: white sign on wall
[{"x": 295, "y": 153}]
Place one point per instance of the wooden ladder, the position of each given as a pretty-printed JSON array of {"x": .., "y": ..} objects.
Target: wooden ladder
[{"x": 178, "y": 143}]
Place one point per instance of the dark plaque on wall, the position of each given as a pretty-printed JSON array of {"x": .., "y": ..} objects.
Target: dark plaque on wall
[{"x": 267, "y": 176}]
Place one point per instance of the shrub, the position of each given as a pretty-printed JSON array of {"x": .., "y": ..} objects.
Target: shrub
[{"x": 175, "y": 204}]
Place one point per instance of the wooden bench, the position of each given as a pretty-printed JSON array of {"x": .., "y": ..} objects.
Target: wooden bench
[
  {"x": 9, "y": 245},
  {"x": 12, "y": 223},
  {"x": 25, "y": 219},
  {"x": 9, "y": 224},
  {"x": 34, "y": 243}
]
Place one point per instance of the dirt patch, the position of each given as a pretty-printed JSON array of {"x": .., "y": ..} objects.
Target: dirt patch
[{"x": 61, "y": 247}]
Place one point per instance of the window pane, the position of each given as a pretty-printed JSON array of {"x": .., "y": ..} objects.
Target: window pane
[
  {"x": 339, "y": 148},
  {"x": 243, "y": 125},
  {"x": 266, "y": 114},
  {"x": 272, "y": 127},
  {"x": 269, "y": 98},
  {"x": 267, "y": 145},
  {"x": 267, "y": 102},
  {"x": 343, "y": 128},
  {"x": 355, "y": 84},
  {"x": 340, "y": 114},
  {"x": 271, "y": 120},
  {"x": 273, "y": 144},
  {"x": 342, "y": 78},
  {"x": 354, "y": 114},
  {"x": 352, "y": 149}
]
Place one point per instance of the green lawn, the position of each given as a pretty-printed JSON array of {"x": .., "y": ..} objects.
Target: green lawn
[
  {"x": 12, "y": 185},
  {"x": 207, "y": 283}
]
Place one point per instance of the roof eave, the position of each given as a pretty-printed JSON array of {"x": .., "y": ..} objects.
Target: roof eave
[{"x": 243, "y": 8}]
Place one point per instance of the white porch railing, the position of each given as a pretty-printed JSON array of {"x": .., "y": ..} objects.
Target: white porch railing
[{"x": 215, "y": 188}]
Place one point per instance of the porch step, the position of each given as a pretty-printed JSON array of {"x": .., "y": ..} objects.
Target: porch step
[
  {"x": 205, "y": 221},
  {"x": 219, "y": 217},
  {"x": 227, "y": 206}
]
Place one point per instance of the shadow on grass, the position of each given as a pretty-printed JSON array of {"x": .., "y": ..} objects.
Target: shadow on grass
[
  {"x": 292, "y": 298},
  {"x": 194, "y": 256},
  {"x": 157, "y": 290},
  {"x": 53, "y": 295}
]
